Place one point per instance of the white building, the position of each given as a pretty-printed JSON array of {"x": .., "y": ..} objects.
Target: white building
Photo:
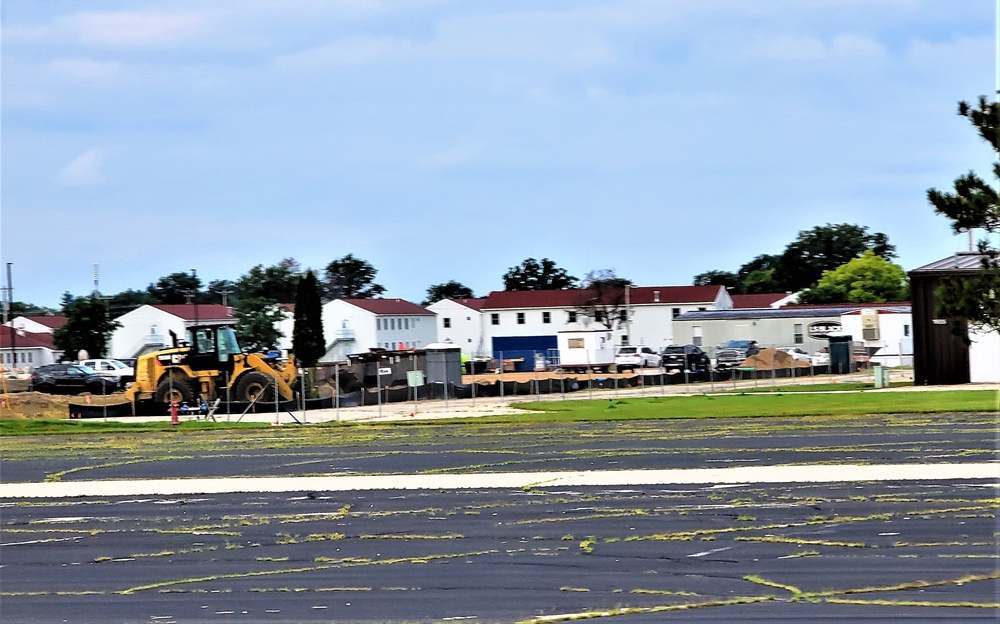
[
  {"x": 286, "y": 326},
  {"x": 518, "y": 325},
  {"x": 40, "y": 324},
  {"x": 148, "y": 327},
  {"x": 25, "y": 351},
  {"x": 886, "y": 332},
  {"x": 460, "y": 322},
  {"x": 804, "y": 326},
  {"x": 984, "y": 357},
  {"x": 359, "y": 325}
]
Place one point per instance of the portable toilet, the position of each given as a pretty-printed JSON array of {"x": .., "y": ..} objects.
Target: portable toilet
[{"x": 841, "y": 353}]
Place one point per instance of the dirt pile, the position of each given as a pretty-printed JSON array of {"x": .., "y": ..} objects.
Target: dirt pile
[{"x": 773, "y": 359}]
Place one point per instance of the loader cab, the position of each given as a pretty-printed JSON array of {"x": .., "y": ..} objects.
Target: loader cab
[{"x": 212, "y": 348}]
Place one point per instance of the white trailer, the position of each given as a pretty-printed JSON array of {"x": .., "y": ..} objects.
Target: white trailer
[{"x": 585, "y": 349}]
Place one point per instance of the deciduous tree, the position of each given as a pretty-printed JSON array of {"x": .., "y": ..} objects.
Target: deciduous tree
[
  {"x": 177, "y": 288},
  {"x": 448, "y": 290},
  {"x": 867, "y": 279},
  {"x": 256, "y": 323},
  {"x": 277, "y": 282},
  {"x": 534, "y": 274},
  {"x": 88, "y": 327},
  {"x": 350, "y": 278},
  {"x": 717, "y": 278},
  {"x": 974, "y": 299}
]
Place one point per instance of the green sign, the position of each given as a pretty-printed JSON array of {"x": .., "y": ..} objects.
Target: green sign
[{"x": 414, "y": 378}]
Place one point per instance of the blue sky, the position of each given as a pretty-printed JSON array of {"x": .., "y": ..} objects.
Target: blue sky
[{"x": 444, "y": 140}]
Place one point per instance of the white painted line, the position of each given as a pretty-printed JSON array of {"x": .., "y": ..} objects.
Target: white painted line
[{"x": 507, "y": 480}]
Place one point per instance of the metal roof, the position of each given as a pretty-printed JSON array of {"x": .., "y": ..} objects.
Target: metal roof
[
  {"x": 962, "y": 262},
  {"x": 574, "y": 297},
  {"x": 796, "y": 312}
]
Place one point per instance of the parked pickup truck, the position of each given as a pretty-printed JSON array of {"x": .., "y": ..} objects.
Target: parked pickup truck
[
  {"x": 732, "y": 353},
  {"x": 111, "y": 369}
]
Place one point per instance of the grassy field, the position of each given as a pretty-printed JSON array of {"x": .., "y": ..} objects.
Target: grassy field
[
  {"x": 764, "y": 403},
  {"x": 758, "y": 404}
]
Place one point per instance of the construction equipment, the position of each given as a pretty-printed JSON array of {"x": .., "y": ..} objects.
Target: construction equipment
[{"x": 208, "y": 366}]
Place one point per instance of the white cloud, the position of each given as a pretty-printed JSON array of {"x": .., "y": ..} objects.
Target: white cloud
[
  {"x": 361, "y": 50},
  {"x": 797, "y": 48},
  {"x": 84, "y": 68},
  {"x": 85, "y": 169},
  {"x": 136, "y": 29}
]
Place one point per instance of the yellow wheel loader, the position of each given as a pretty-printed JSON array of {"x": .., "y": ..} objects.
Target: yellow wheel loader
[{"x": 207, "y": 366}]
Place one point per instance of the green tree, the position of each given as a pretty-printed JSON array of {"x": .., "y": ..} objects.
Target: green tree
[
  {"x": 757, "y": 276},
  {"x": 350, "y": 278},
  {"x": 128, "y": 300},
  {"x": 21, "y": 308},
  {"x": 277, "y": 282},
  {"x": 176, "y": 288},
  {"x": 825, "y": 248},
  {"x": 448, "y": 290},
  {"x": 256, "y": 321},
  {"x": 88, "y": 327},
  {"x": 307, "y": 334},
  {"x": 974, "y": 299},
  {"x": 222, "y": 291},
  {"x": 868, "y": 279},
  {"x": 717, "y": 278},
  {"x": 534, "y": 274}
]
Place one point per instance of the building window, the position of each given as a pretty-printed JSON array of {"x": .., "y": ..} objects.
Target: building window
[
  {"x": 623, "y": 316},
  {"x": 447, "y": 323},
  {"x": 392, "y": 323},
  {"x": 696, "y": 335},
  {"x": 520, "y": 318},
  {"x": 702, "y": 309},
  {"x": 797, "y": 333},
  {"x": 675, "y": 312},
  {"x": 572, "y": 317},
  {"x": 378, "y": 324},
  {"x": 406, "y": 323},
  {"x": 495, "y": 318},
  {"x": 546, "y": 317},
  {"x": 906, "y": 330},
  {"x": 598, "y": 316}
]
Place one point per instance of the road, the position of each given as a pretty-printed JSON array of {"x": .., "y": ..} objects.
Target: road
[{"x": 714, "y": 521}]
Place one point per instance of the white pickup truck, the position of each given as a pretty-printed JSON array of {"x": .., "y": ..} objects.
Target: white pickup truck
[{"x": 112, "y": 369}]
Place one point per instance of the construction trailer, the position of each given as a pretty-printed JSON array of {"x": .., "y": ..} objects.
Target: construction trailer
[{"x": 585, "y": 349}]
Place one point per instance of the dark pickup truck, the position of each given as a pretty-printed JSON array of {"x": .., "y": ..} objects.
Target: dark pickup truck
[{"x": 731, "y": 353}]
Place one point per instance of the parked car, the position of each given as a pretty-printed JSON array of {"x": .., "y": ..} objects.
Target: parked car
[
  {"x": 631, "y": 358},
  {"x": 112, "y": 369},
  {"x": 70, "y": 379},
  {"x": 732, "y": 353},
  {"x": 685, "y": 357},
  {"x": 796, "y": 353}
]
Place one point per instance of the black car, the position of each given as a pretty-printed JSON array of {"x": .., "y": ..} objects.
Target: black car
[
  {"x": 687, "y": 357},
  {"x": 70, "y": 379}
]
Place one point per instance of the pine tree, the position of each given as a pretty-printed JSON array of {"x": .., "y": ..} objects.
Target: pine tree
[
  {"x": 974, "y": 299},
  {"x": 307, "y": 335}
]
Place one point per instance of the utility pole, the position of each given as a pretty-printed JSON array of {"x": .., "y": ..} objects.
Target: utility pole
[
  {"x": 10, "y": 306},
  {"x": 225, "y": 292}
]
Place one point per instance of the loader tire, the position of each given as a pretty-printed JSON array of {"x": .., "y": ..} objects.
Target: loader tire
[
  {"x": 182, "y": 392},
  {"x": 253, "y": 385}
]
